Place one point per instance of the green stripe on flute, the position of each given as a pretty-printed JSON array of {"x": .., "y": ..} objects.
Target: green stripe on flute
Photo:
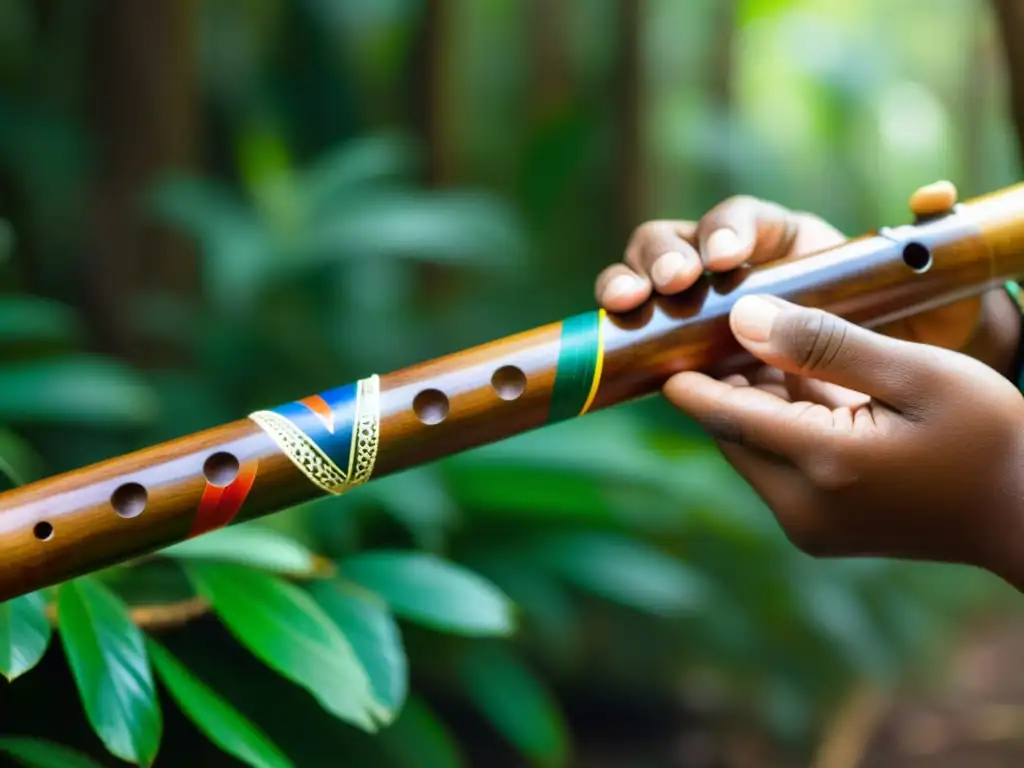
[{"x": 580, "y": 360}]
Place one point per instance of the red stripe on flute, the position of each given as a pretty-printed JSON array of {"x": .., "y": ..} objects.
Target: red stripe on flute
[{"x": 219, "y": 506}]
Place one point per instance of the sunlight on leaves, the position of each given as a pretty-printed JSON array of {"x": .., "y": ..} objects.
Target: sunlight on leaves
[
  {"x": 24, "y": 634},
  {"x": 107, "y": 656},
  {"x": 368, "y": 625},
  {"x": 428, "y": 590},
  {"x": 255, "y": 546},
  {"x": 286, "y": 629}
]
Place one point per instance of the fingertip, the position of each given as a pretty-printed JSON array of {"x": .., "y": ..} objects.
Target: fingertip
[
  {"x": 675, "y": 271},
  {"x": 725, "y": 249},
  {"x": 623, "y": 293}
]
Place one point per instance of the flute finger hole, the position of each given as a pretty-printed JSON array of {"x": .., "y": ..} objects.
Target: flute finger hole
[
  {"x": 221, "y": 469},
  {"x": 129, "y": 500},
  {"x": 43, "y": 531},
  {"x": 508, "y": 382},
  {"x": 431, "y": 406},
  {"x": 917, "y": 256}
]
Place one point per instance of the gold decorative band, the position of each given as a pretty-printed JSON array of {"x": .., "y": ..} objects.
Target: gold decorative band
[{"x": 313, "y": 462}]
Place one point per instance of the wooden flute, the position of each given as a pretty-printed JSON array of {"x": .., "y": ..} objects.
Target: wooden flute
[{"x": 65, "y": 526}]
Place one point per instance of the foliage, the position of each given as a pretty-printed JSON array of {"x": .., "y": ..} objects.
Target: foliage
[{"x": 618, "y": 552}]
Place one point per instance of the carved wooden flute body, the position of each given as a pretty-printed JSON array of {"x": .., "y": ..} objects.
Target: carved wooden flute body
[{"x": 128, "y": 506}]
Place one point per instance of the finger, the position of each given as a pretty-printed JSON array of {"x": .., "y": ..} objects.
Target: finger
[
  {"x": 830, "y": 395},
  {"x": 795, "y": 388},
  {"x": 620, "y": 289},
  {"x": 752, "y": 231},
  {"x": 753, "y": 418},
  {"x": 820, "y": 345},
  {"x": 933, "y": 199},
  {"x": 662, "y": 252}
]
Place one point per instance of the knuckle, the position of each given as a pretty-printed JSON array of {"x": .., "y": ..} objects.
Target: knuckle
[{"x": 814, "y": 339}]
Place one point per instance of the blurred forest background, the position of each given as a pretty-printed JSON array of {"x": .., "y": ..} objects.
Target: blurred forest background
[{"x": 209, "y": 206}]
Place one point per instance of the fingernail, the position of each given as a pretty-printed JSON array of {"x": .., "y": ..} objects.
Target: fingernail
[
  {"x": 722, "y": 244},
  {"x": 621, "y": 286},
  {"x": 668, "y": 267},
  {"x": 752, "y": 317}
]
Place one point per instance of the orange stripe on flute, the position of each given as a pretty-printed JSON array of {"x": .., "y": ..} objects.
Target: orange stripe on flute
[{"x": 220, "y": 505}]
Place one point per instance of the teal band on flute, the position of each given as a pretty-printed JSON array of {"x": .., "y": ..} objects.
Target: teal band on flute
[{"x": 580, "y": 360}]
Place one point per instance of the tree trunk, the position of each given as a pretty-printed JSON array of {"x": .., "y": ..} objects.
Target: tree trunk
[
  {"x": 1010, "y": 15},
  {"x": 629, "y": 100},
  {"x": 143, "y": 97}
]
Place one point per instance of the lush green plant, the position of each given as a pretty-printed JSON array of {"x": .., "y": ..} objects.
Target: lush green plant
[{"x": 615, "y": 554}]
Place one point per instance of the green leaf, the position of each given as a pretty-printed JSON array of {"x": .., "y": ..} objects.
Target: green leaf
[
  {"x": 255, "y": 546},
  {"x": 358, "y": 166},
  {"x": 516, "y": 703},
  {"x": 24, "y": 634},
  {"x": 19, "y": 463},
  {"x": 418, "y": 739},
  {"x": 431, "y": 591},
  {"x": 107, "y": 656},
  {"x": 285, "y": 628},
  {"x": 371, "y": 629},
  {"x": 36, "y": 753},
  {"x": 33, "y": 322},
  {"x": 215, "y": 717},
  {"x": 449, "y": 226},
  {"x": 623, "y": 570},
  {"x": 75, "y": 390}
]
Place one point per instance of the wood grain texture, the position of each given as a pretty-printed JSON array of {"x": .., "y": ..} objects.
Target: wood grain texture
[{"x": 866, "y": 280}]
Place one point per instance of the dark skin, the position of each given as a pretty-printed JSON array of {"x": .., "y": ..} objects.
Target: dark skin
[{"x": 904, "y": 443}]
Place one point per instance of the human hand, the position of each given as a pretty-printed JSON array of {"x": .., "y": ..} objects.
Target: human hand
[
  {"x": 860, "y": 443},
  {"x": 925, "y": 465},
  {"x": 669, "y": 256}
]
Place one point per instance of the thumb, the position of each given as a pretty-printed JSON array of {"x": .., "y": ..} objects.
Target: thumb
[{"x": 817, "y": 344}]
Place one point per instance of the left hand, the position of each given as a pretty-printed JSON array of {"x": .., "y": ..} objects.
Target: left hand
[{"x": 670, "y": 256}]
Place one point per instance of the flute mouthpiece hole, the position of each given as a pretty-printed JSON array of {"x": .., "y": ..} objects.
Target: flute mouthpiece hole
[
  {"x": 917, "y": 256},
  {"x": 221, "y": 469},
  {"x": 508, "y": 382},
  {"x": 43, "y": 531},
  {"x": 129, "y": 500},
  {"x": 431, "y": 406}
]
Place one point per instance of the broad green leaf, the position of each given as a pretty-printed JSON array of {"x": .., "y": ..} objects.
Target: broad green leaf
[
  {"x": 255, "y": 546},
  {"x": 370, "y": 628},
  {"x": 358, "y": 166},
  {"x": 419, "y": 739},
  {"x": 285, "y": 628},
  {"x": 623, "y": 570},
  {"x": 19, "y": 463},
  {"x": 107, "y": 656},
  {"x": 75, "y": 390},
  {"x": 452, "y": 226},
  {"x": 434, "y": 592},
  {"x": 24, "y": 634},
  {"x": 36, "y": 753},
  {"x": 516, "y": 703},
  {"x": 32, "y": 321},
  {"x": 215, "y": 717}
]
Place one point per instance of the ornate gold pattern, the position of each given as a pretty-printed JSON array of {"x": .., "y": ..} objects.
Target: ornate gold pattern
[{"x": 307, "y": 456}]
